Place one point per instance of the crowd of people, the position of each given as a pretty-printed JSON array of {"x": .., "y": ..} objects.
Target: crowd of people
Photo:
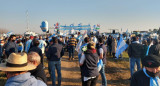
[{"x": 21, "y": 58}]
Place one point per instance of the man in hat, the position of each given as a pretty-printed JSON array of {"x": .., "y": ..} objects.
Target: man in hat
[
  {"x": 149, "y": 75},
  {"x": 16, "y": 69}
]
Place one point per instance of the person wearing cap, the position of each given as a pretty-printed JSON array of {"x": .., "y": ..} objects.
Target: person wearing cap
[
  {"x": 16, "y": 69},
  {"x": 29, "y": 44},
  {"x": 11, "y": 46},
  {"x": 149, "y": 75}
]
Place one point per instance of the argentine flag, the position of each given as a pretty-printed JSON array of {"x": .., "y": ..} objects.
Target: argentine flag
[
  {"x": 80, "y": 42},
  {"x": 121, "y": 46},
  {"x": 9, "y": 33},
  {"x": 100, "y": 64},
  {"x": 50, "y": 38}
]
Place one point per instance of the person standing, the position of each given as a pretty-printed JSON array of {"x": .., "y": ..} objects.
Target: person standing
[
  {"x": 135, "y": 53},
  {"x": 11, "y": 46},
  {"x": 16, "y": 69},
  {"x": 149, "y": 75},
  {"x": 42, "y": 44},
  {"x": 36, "y": 49},
  {"x": 155, "y": 48},
  {"x": 145, "y": 47},
  {"x": 38, "y": 73},
  {"x": 101, "y": 50},
  {"x": 2, "y": 56},
  {"x": 81, "y": 52},
  {"x": 72, "y": 45},
  {"x": 88, "y": 63},
  {"x": 20, "y": 45},
  {"x": 114, "y": 47},
  {"x": 109, "y": 44},
  {"x": 28, "y": 44},
  {"x": 54, "y": 57}
]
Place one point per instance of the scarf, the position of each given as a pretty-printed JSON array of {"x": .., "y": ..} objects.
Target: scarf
[{"x": 153, "y": 81}]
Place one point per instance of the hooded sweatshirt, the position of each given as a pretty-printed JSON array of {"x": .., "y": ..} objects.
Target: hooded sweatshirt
[{"x": 24, "y": 80}]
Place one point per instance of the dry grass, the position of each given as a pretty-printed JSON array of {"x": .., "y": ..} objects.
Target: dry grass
[
  {"x": 117, "y": 72},
  {"x": 2, "y": 79}
]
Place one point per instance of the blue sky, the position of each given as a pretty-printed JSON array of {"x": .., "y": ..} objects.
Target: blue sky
[{"x": 110, "y": 14}]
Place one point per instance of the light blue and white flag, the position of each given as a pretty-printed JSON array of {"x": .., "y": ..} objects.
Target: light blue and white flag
[
  {"x": 149, "y": 48},
  {"x": 9, "y": 33},
  {"x": 50, "y": 38},
  {"x": 94, "y": 26},
  {"x": 100, "y": 64},
  {"x": 80, "y": 42},
  {"x": 121, "y": 46},
  {"x": 71, "y": 25},
  {"x": 80, "y": 24},
  {"x": 127, "y": 31}
]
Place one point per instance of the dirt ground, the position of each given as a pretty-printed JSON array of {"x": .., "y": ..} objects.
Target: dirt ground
[{"x": 117, "y": 72}]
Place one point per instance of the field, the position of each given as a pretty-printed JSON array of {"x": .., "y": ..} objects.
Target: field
[{"x": 117, "y": 72}]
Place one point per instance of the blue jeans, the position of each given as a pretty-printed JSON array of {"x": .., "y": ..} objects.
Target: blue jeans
[
  {"x": 71, "y": 51},
  {"x": 52, "y": 66},
  {"x": 103, "y": 76},
  {"x": 134, "y": 60}
]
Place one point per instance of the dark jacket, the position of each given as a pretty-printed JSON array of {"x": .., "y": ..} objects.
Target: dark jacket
[
  {"x": 39, "y": 73},
  {"x": 145, "y": 47},
  {"x": 98, "y": 46},
  {"x": 154, "y": 49},
  {"x": 11, "y": 47},
  {"x": 135, "y": 50},
  {"x": 109, "y": 41},
  {"x": 140, "y": 79},
  {"x": 89, "y": 67},
  {"x": 37, "y": 50},
  {"x": 54, "y": 52}
]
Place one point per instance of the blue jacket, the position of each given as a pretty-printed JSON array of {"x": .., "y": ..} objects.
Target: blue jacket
[
  {"x": 28, "y": 45},
  {"x": 24, "y": 80}
]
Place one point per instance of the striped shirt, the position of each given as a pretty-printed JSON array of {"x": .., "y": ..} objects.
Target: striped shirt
[{"x": 72, "y": 42}]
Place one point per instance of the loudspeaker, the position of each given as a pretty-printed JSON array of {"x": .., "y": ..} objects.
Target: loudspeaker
[
  {"x": 47, "y": 31},
  {"x": 113, "y": 32}
]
